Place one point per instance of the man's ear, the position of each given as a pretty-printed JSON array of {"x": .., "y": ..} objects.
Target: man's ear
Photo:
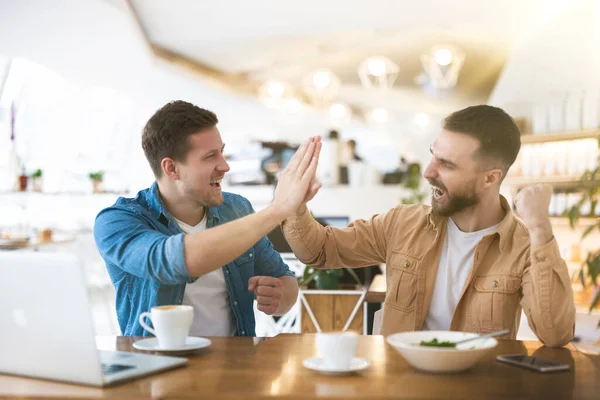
[
  {"x": 493, "y": 177},
  {"x": 169, "y": 168}
]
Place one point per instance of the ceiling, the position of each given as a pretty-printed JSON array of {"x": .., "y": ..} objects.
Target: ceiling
[{"x": 251, "y": 42}]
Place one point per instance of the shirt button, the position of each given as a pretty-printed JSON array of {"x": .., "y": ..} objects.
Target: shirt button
[
  {"x": 250, "y": 255},
  {"x": 235, "y": 302},
  {"x": 495, "y": 284},
  {"x": 243, "y": 332},
  {"x": 406, "y": 264}
]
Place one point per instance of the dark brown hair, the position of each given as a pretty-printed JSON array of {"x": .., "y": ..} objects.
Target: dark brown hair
[
  {"x": 166, "y": 132},
  {"x": 498, "y": 135}
]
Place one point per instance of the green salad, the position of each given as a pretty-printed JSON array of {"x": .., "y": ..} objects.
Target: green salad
[{"x": 434, "y": 343}]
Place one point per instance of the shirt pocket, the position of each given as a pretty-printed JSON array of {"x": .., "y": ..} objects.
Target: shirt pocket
[
  {"x": 245, "y": 263},
  {"x": 402, "y": 273},
  {"x": 495, "y": 302}
]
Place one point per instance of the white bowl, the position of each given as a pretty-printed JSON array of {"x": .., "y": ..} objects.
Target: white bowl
[{"x": 440, "y": 359}]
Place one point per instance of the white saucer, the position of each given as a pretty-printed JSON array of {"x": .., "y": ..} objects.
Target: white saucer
[
  {"x": 316, "y": 364},
  {"x": 191, "y": 343}
]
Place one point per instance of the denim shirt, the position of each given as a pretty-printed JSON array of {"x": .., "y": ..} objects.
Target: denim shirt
[{"x": 142, "y": 246}]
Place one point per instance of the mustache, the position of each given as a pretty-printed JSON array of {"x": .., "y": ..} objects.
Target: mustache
[{"x": 437, "y": 184}]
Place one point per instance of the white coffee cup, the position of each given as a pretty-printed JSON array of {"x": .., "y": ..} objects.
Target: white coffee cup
[
  {"x": 171, "y": 324},
  {"x": 337, "y": 348}
]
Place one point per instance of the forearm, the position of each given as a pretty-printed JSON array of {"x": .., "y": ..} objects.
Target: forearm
[
  {"x": 209, "y": 250},
  {"x": 360, "y": 244},
  {"x": 306, "y": 237},
  {"x": 541, "y": 234},
  {"x": 548, "y": 296},
  {"x": 290, "y": 295}
]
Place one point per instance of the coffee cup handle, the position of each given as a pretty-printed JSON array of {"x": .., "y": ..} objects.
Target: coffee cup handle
[{"x": 143, "y": 324}]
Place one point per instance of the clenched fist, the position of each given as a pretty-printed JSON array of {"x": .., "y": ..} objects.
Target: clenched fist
[
  {"x": 532, "y": 204},
  {"x": 268, "y": 292}
]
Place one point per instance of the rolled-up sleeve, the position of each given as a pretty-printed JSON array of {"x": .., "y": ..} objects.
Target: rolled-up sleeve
[
  {"x": 548, "y": 296},
  {"x": 361, "y": 244},
  {"x": 126, "y": 241}
]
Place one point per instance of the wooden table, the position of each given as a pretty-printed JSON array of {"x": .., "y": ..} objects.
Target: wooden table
[
  {"x": 377, "y": 289},
  {"x": 247, "y": 368}
]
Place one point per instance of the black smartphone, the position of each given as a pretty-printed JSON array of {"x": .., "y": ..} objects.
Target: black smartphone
[{"x": 534, "y": 363}]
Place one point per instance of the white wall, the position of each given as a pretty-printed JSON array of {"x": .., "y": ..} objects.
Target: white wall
[
  {"x": 561, "y": 56},
  {"x": 95, "y": 43}
]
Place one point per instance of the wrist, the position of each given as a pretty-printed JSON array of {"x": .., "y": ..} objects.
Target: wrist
[
  {"x": 277, "y": 212},
  {"x": 540, "y": 233},
  {"x": 300, "y": 211}
]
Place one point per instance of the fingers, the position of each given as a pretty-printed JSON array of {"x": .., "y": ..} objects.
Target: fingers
[
  {"x": 306, "y": 159},
  {"x": 252, "y": 282},
  {"x": 268, "y": 291},
  {"x": 258, "y": 281},
  {"x": 268, "y": 301},
  {"x": 311, "y": 171},
  {"x": 269, "y": 310},
  {"x": 298, "y": 156}
]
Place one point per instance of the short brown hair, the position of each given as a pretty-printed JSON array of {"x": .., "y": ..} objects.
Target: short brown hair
[
  {"x": 166, "y": 132},
  {"x": 498, "y": 135}
]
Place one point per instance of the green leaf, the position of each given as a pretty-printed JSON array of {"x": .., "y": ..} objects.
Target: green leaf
[
  {"x": 306, "y": 272},
  {"x": 595, "y": 300},
  {"x": 589, "y": 230},
  {"x": 309, "y": 278}
]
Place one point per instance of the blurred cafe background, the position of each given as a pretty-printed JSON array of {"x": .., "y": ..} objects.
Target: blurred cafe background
[{"x": 79, "y": 78}]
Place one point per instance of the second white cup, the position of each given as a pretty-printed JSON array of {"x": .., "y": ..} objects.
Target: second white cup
[
  {"x": 337, "y": 348},
  {"x": 171, "y": 324}
]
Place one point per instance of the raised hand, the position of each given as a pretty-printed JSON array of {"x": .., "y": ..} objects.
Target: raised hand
[
  {"x": 297, "y": 182},
  {"x": 268, "y": 292},
  {"x": 532, "y": 204}
]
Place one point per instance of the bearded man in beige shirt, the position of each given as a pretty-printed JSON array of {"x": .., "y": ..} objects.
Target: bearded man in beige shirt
[{"x": 466, "y": 262}]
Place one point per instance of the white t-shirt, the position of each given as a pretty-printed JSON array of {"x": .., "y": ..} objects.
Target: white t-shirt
[
  {"x": 209, "y": 297},
  {"x": 455, "y": 265}
]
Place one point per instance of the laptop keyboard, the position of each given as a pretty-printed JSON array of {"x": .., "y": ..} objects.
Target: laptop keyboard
[{"x": 114, "y": 368}]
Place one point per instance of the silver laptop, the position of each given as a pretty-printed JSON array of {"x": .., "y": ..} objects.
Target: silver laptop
[{"x": 46, "y": 329}]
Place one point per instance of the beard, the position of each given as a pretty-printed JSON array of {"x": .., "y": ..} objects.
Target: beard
[
  {"x": 455, "y": 202},
  {"x": 209, "y": 197}
]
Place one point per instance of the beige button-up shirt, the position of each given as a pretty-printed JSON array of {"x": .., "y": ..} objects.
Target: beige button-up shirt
[{"x": 508, "y": 274}]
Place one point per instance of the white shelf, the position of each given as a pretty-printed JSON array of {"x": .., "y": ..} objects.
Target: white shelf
[
  {"x": 560, "y": 137},
  {"x": 557, "y": 181}
]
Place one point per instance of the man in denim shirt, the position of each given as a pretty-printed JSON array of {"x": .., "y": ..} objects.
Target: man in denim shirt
[{"x": 184, "y": 241}]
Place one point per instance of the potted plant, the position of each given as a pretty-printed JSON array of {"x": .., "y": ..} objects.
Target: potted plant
[
  {"x": 97, "y": 178},
  {"x": 329, "y": 305},
  {"x": 413, "y": 183},
  {"x": 590, "y": 268},
  {"x": 36, "y": 180},
  {"x": 326, "y": 279}
]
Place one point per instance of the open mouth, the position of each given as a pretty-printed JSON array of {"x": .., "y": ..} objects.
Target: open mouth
[
  {"x": 438, "y": 194},
  {"x": 216, "y": 183}
]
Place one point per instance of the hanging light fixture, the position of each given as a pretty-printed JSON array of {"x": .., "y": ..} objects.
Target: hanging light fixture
[
  {"x": 321, "y": 86},
  {"x": 442, "y": 63},
  {"x": 275, "y": 94},
  {"x": 380, "y": 115},
  {"x": 378, "y": 72},
  {"x": 339, "y": 114}
]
